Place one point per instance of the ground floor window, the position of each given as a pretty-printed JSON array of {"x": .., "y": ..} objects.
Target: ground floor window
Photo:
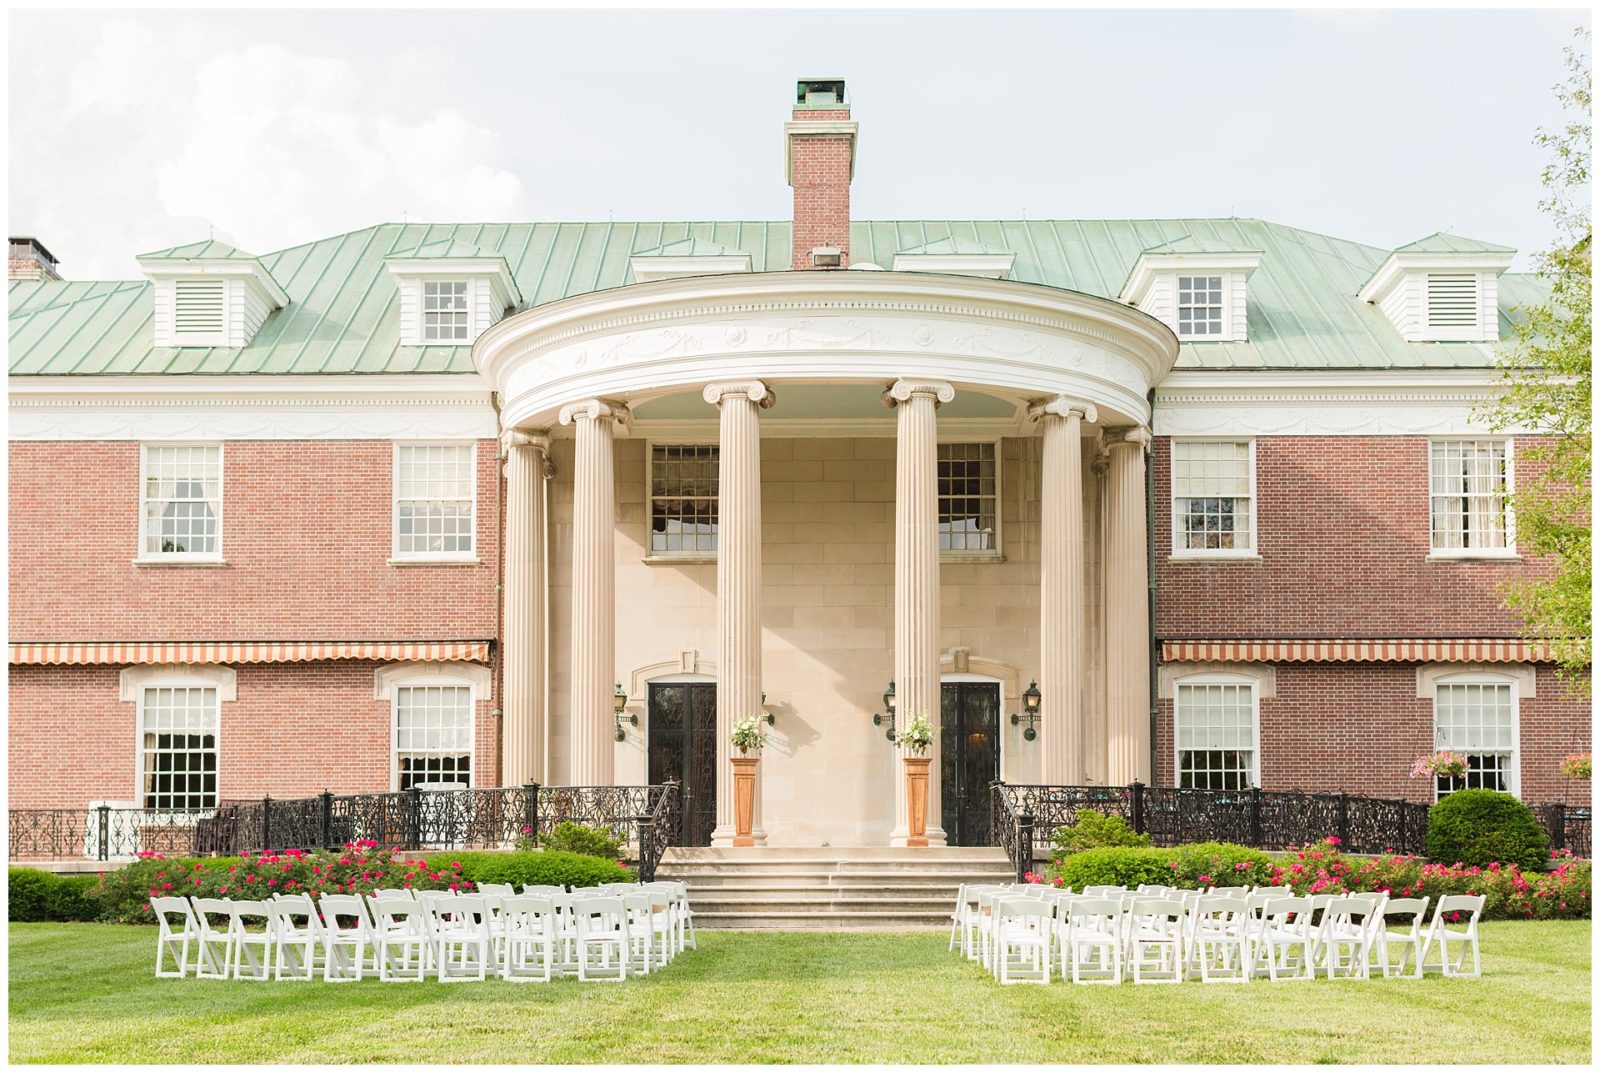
[
  {"x": 1478, "y": 719},
  {"x": 433, "y": 736},
  {"x": 1214, "y": 734},
  {"x": 178, "y": 747}
]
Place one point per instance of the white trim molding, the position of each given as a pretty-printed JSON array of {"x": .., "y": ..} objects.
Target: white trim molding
[
  {"x": 1429, "y": 675},
  {"x": 1168, "y": 675},
  {"x": 133, "y": 681},
  {"x": 384, "y": 679}
]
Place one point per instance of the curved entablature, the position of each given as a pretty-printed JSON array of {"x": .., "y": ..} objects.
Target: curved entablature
[{"x": 1012, "y": 339}]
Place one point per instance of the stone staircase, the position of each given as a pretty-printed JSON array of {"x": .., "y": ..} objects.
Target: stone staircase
[{"x": 782, "y": 887}]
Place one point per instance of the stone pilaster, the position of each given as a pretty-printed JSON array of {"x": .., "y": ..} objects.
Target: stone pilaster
[
  {"x": 527, "y": 595},
  {"x": 738, "y": 581},
  {"x": 1127, "y": 611},
  {"x": 594, "y": 583},
  {"x": 916, "y": 581},
  {"x": 1061, "y": 592}
]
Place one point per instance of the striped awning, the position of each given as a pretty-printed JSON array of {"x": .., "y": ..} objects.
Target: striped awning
[
  {"x": 124, "y": 653},
  {"x": 1345, "y": 650}
]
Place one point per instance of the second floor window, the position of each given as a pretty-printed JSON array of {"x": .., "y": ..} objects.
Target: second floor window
[
  {"x": 444, "y": 311},
  {"x": 1470, "y": 480},
  {"x": 1211, "y": 500},
  {"x": 969, "y": 498},
  {"x": 1199, "y": 306},
  {"x": 683, "y": 499},
  {"x": 182, "y": 500},
  {"x": 433, "y": 500}
]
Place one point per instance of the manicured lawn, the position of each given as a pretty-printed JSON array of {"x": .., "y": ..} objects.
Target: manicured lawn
[{"x": 85, "y": 993}]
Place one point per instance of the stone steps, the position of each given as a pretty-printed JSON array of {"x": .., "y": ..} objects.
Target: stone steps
[{"x": 814, "y": 888}]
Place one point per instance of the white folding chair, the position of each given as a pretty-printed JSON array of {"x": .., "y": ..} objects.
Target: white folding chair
[
  {"x": 349, "y": 944},
  {"x": 527, "y": 952},
  {"x": 663, "y": 919},
  {"x": 1286, "y": 925},
  {"x": 685, "y": 915},
  {"x": 1219, "y": 939},
  {"x": 462, "y": 938},
  {"x": 955, "y": 918},
  {"x": 1440, "y": 932},
  {"x": 253, "y": 939},
  {"x": 1093, "y": 946},
  {"x": 1410, "y": 942},
  {"x": 1104, "y": 891},
  {"x": 174, "y": 940},
  {"x": 213, "y": 944},
  {"x": 1347, "y": 935},
  {"x": 601, "y": 929},
  {"x": 297, "y": 936},
  {"x": 1155, "y": 940},
  {"x": 1023, "y": 926},
  {"x": 403, "y": 939}
]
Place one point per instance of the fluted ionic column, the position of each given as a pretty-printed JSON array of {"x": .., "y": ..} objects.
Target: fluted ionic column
[
  {"x": 594, "y": 582},
  {"x": 1061, "y": 602},
  {"x": 1127, "y": 611},
  {"x": 527, "y": 594},
  {"x": 738, "y": 580},
  {"x": 916, "y": 581}
]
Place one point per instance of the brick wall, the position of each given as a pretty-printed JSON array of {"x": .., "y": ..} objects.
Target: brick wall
[
  {"x": 295, "y": 730},
  {"x": 820, "y": 175},
  {"x": 1342, "y": 534},
  {"x": 1358, "y": 727},
  {"x": 306, "y": 538}
]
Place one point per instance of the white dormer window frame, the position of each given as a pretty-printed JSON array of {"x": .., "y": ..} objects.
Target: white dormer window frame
[
  {"x": 428, "y": 318},
  {"x": 219, "y": 303},
  {"x": 446, "y": 310},
  {"x": 1440, "y": 297},
  {"x": 1208, "y": 294},
  {"x": 1155, "y": 285}
]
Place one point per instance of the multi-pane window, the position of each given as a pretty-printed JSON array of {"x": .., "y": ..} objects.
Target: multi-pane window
[
  {"x": 182, "y": 498},
  {"x": 178, "y": 747},
  {"x": 969, "y": 498},
  {"x": 433, "y": 500},
  {"x": 1211, "y": 501},
  {"x": 444, "y": 311},
  {"x": 683, "y": 499},
  {"x": 433, "y": 736},
  {"x": 1469, "y": 485},
  {"x": 1479, "y": 721},
  {"x": 1214, "y": 733},
  {"x": 1199, "y": 305}
]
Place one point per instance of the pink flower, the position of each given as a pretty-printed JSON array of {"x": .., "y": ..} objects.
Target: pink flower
[
  {"x": 1242, "y": 866},
  {"x": 1331, "y": 840},
  {"x": 1205, "y": 879}
]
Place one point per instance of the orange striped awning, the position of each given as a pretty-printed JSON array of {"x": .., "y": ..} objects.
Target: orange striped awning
[
  {"x": 65, "y": 653},
  {"x": 1344, "y": 650}
]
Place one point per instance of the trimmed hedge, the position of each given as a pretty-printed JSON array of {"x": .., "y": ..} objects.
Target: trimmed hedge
[
  {"x": 542, "y": 867},
  {"x": 1477, "y": 828},
  {"x": 1200, "y": 864},
  {"x": 36, "y": 896}
]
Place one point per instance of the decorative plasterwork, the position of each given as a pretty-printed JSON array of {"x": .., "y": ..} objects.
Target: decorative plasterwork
[
  {"x": 1062, "y": 406},
  {"x": 906, "y": 390},
  {"x": 251, "y": 408},
  {"x": 686, "y": 665},
  {"x": 1373, "y": 403},
  {"x": 835, "y": 327},
  {"x": 754, "y": 390},
  {"x": 134, "y": 680}
]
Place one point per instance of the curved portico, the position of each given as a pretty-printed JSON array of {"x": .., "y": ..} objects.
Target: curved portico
[{"x": 1034, "y": 369}]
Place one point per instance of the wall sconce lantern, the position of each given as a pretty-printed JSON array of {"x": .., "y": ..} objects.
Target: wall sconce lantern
[
  {"x": 768, "y": 716},
  {"x": 619, "y": 702},
  {"x": 1030, "y": 712},
  {"x": 888, "y": 703}
]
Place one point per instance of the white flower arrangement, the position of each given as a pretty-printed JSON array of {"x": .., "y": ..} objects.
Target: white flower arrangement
[
  {"x": 917, "y": 735},
  {"x": 747, "y": 735}
]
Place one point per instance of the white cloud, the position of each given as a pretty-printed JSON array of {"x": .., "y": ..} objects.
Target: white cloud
[{"x": 157, "y": 138}]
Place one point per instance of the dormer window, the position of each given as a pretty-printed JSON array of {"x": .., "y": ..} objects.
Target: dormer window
[
  {"x": 444, "y": 311},
  {"x": 1441, "y": 289},
  {"x": 1452, "y": 299},
  {"x": 208, "y": 294},
  {"x": 1200, "y": 308},
  {"x": 199, "y": 311}
]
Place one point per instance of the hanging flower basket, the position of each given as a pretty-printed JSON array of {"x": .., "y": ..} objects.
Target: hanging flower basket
[
  {"x": 1443, "y": 765},
  {"x": 1577, "y": 766}
]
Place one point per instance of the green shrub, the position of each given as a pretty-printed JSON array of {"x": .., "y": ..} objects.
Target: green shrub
[
  {"x": 28, "y": 892},
  {"x": 1482, "y": 827},
  {"x": 1202, "y": 864},
  {"x": 540, "y": 868},
  {"x": 1128, "y": 866},
  {"x": 572, "y": 837},
  {"x": 1091, "y": 830},
  {"x": 71, "y": 900}
]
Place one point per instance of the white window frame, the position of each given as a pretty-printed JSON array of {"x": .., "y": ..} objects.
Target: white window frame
[
  {"x": 222, "y": 688},
  {"x": 393, "y": 683},
  {"x": 218, "y": 338},
  {"x": 997, "y": 553},
  {"x": 1179, "y": 551},
  {"x": 1481, "y": 678},
  {"x": 140, "y": 554},
  {"x": 698, "y": 555},
  {"x": 468, "y": 335},
  {"x": 396, "y": 555},
  {"x": 1510, "y": 550},
  {"x": 1217, "y": 678},
  {"x": 1224, "y": 332}
]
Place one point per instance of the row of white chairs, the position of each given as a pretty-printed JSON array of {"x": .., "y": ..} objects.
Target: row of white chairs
[
  {"x": 593, "y": 933},
  {"x": 1219, "y": 935}
]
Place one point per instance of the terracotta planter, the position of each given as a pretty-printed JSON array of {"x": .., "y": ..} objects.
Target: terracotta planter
[
  {"x": 917, "y": 800},
  {"x": 744, "y": 798}
]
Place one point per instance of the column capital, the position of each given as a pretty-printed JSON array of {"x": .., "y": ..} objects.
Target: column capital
[
  {"x": 905, "y": 390},
  {"x": 593, "y": 409},
  {"x": 511, "y": 437},
  {"x": 1137, "y": 435},
  {"x": 1062, "y": 406},
  {"x": 755, "y": 390}
]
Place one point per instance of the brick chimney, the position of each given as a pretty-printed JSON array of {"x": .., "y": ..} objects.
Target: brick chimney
[
  {"x": 821, "y": 160},
  {"x": 30, "y": 260}
]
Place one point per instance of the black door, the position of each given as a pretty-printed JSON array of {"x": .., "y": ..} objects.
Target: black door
[
  {"x": 969, "y": 740},
  {"x": 683, "y": 747}
]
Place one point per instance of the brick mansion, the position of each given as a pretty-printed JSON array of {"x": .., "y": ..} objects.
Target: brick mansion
[{"x": 1196, "y": 502}]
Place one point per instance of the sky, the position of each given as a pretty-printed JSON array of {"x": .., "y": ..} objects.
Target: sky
[{"x": 134, "y": 131}]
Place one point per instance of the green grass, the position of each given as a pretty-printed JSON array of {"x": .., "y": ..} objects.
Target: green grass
[{"x": 85, "y": 993}]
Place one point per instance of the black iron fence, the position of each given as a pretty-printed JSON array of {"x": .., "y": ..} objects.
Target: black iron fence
[
  {"x": 642, "y": 817},
  {"x": 1025, "y": 816}
]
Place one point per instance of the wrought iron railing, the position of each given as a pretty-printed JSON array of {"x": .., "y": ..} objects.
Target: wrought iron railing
[
  {"x": 409, "y": 819},
  {"x": 658, "y": 829},
  {"x": 1027, "y": 815}
]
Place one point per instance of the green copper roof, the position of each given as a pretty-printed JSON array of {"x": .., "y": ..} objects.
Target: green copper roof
[
  {"x": 950, "y": 245},
  {"x": 206, "y": 249},
  {"x": 343, "y": 314},
  {"x": 1439, "y": 242},
  {"x": 1190, "y": 244},
  {"x": 690, "y": 247},
  {"x": 448, "y": 249}
]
